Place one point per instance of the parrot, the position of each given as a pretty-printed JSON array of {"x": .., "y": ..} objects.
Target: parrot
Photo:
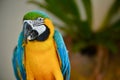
[{"x": 40, "y": 53}]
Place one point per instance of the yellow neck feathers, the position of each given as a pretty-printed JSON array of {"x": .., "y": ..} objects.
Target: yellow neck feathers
[{"x": 37, "y": 45}]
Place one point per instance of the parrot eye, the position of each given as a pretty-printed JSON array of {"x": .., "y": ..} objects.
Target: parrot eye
[
  {"x": 38, "y": 22},
  {"x": 41, "y": 20}
]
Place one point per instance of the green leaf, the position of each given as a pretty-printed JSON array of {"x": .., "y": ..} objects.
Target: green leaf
[
  {"x": 85, "y": 30},
  {"x": 115, "y": 31},
  {"x": 37, "y": 3},
  {"x": 70, "y": 7},
  {"x": 77, "y": 46},
  {"x": 88, "y": 10},
  {"x": 111, "y": 32},
  {"x": 111, "y": 46}
]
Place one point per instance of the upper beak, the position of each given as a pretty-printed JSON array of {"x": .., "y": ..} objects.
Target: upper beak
[
  {"x": 25, "y": 37},
  {"x": 27, "y": 30}
]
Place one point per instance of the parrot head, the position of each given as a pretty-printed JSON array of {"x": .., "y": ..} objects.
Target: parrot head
[{"x": 37, "y": 26}]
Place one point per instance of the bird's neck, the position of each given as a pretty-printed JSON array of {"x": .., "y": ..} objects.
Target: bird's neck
[{"x": 37, "y": 45}]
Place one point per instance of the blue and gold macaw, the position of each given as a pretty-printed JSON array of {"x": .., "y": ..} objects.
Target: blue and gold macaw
[{"x": 40, "y": 53}]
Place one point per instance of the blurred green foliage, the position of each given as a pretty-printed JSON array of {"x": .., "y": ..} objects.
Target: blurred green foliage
[{"x": 80, "y": 30}]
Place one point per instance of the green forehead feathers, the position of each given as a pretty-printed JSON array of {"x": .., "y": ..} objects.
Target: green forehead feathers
[{"x": 34, "y": 15}]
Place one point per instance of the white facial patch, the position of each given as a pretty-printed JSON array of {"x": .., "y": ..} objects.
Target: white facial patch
[{"x": 40, "y": 29}]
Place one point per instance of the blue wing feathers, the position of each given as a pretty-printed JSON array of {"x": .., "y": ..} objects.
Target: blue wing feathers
[
  {"x": 63, "y": 53},
  {"x": 18, "y": 57},
  {"x": 15, "y": 63}
]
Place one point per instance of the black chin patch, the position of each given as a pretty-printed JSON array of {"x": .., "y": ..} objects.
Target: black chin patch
[
  {"x": 44, "y": 35},
  {"x": 33, "y": 35}
]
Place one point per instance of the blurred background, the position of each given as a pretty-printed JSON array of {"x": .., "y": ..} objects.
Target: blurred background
[{"x": 90, "y": 28}]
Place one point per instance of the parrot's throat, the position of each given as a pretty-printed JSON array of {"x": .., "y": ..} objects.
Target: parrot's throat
[{"x": 38, "y": 45}]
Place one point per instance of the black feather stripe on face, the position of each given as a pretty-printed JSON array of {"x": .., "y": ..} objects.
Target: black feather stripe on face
[{"x": 44, "y": 35}]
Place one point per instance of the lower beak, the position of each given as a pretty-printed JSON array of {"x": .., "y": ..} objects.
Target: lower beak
[{"x": 32, "y": 35}]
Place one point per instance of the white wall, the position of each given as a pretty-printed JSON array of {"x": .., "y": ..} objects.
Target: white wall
[{"x": 11, "y": 13}]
